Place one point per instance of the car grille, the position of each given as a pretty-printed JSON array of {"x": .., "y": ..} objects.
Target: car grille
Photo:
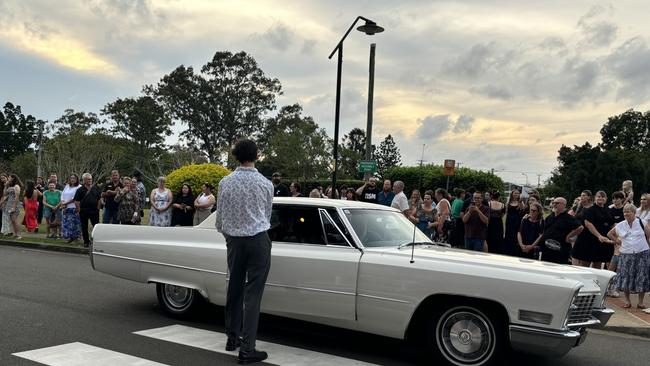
[{"x": 581, "y": 309}]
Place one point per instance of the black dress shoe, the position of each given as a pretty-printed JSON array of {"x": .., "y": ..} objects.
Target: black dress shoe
[
  {"x": 251, "y": 356},
  {"x": 232, "y": 344}
]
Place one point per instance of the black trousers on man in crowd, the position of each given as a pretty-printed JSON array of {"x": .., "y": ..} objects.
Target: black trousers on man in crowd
[
  {"x": 84, "y": 215},
  {"x": 249, "y": 261}
]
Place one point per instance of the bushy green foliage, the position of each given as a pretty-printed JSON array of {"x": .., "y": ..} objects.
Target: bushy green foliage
[
  {"x": 431, "y": 177},
  {"x": 196, "y": 175}
]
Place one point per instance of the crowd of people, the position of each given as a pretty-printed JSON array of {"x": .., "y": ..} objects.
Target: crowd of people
[
  {"x": 592, "y": 232},
  {"x": 67, "y": 209}
]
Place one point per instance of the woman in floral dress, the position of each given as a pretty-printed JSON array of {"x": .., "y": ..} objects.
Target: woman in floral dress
[{"x": 161, "y": 202}]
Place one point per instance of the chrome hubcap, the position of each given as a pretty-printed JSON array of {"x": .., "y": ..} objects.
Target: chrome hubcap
[
  {"x": 466, "y": 337},
  {"x": 178, "y": 296}
]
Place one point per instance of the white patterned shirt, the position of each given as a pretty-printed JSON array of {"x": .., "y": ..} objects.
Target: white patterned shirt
[{"x": 244, "y": 203}]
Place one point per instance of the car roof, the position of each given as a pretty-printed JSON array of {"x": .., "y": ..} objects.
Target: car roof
[{"x": 328, "y": 202}]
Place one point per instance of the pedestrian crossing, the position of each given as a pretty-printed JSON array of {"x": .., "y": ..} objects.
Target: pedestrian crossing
[{"x": 81, "y": 354}]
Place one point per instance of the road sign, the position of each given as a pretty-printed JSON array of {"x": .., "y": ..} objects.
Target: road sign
[
  {"x": 367, "y": 166},
  {"x": 449, "y": 167}
]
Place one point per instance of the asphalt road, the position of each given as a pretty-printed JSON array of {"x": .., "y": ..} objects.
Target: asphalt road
[{"x": 49, "y": 299}]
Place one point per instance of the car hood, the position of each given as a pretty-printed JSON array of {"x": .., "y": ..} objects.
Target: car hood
[{"x": 515, "y": 264}]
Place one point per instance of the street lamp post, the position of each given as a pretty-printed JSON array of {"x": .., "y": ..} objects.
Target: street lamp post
[{"x": 369, "y": 28}]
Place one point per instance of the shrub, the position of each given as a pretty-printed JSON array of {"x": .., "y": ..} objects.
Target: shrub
[
  {"x": 432, "y": 177},
  {"x": 196, "y": 175}
]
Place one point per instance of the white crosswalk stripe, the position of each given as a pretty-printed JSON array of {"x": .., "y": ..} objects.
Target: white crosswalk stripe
[
  {"x": 81, "y": 354},
  {"x": 216, "y": 342}
]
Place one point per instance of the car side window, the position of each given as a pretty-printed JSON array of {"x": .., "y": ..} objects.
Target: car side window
[
  {"x": 333, "y": 235},
  {"x": 296, "y": 225},
  {"x": 337, "y": 220}
]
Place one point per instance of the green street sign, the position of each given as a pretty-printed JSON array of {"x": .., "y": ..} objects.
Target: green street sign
[{"x": 367, "y": 166}]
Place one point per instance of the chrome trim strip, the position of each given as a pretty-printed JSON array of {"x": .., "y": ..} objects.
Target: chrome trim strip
[
  {"x": 384, "y": 298},
  {"x": 310, "y": 289},
  {"x": 589, "y": 323},
  {"x": 159, "y": 263},
  {"x": 329, "y": 217}
]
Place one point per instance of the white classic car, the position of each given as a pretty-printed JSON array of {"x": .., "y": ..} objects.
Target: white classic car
[{"x": 364, "y": 267}]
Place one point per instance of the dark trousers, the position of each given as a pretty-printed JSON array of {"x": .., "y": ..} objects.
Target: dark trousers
[
  {"x": 249, "y": 261},
  {"x": 93, "y": 216},
  {"x": 110, "y": 216}
]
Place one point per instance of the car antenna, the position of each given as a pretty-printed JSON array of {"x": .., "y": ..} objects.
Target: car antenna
[{"x": 415, "y": 227}]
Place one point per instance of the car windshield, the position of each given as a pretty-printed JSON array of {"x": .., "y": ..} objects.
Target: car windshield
[{"x": 381, "y": 228}]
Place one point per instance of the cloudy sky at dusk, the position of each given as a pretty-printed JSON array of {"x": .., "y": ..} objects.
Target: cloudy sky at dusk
[{"x": 491, "y": 83}]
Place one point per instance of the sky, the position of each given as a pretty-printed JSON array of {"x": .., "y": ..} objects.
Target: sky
[{"x": 493, "y": 84}]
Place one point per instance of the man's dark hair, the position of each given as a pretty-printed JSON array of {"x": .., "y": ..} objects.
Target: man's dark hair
[
  {"x": 619, "y": 195},
  {"x": 245, "y": 151},
  {"x": 471, "y": 190}
]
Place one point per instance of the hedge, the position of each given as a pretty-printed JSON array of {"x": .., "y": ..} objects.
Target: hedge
[
  {"x": 196, "y": 175},
  {"x": 432, "y": 177}
]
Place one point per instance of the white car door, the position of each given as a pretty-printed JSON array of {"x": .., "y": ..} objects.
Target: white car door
[{"x": 313, "y": 266}]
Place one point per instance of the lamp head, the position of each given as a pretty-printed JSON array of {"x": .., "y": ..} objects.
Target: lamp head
[{"x": 370, "y": 28}]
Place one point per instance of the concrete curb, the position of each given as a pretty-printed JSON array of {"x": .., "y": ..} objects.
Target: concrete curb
[
  {"x": 43, "y": 246},
  {"x": 635, "y": 331}
]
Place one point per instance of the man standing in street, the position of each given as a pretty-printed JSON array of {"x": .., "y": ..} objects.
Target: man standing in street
[
  {"x": 560, "y": 228},
  {"x": 369, "y": 191},
  {"x": 400, "y": 201},
  {"x": 110, "y": 191},
  {"x": 476, "y": 219},
  {"x": 87, "y": 201},
  {"x": 385, "y": 197},
  {"x": 279, "y": 189},
  {"x": 243, "y": 217}
]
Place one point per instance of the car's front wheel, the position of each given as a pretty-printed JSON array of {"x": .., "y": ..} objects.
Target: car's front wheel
[
  {"x": 177, "y": 300},
  {"x": 466, "y": 336}
]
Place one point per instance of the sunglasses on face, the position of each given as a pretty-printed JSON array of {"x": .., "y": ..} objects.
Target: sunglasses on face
[{"x": 533, "y": 210}]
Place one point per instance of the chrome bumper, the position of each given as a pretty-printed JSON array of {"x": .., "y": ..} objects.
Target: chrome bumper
[
  {"x": 552, "y": 343},
  {"x": 602, "y": 315},
  {"x": 545, "y": 342}
]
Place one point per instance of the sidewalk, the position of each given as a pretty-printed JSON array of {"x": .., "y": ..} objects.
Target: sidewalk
[{"x": 630, "y": 321}]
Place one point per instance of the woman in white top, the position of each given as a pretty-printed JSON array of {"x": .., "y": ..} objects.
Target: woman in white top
[
  {"x": 203, "y": 203},
  {"x": 161, "y": 202},
  {"x": 643, "y": 212},
  {"x": 634, "y": 264},
  {"x": 70, "y": 224}
]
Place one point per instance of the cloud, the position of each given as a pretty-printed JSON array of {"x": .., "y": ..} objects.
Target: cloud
[
  {"x": 599, "y": 34},
  {"x": 279, "y": 36},
  {"x": 561, "y": 133},
  {"x": 629, "y": 64},
  {"x": 433, "y": 127},
  {"x": 463, "y": 124},
  {"x": 493, "y": 91}
]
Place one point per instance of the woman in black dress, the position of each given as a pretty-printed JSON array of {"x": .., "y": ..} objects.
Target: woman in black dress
[
  {"x": 514, "y": 213},
  {"x": 593, "y": 247},
  {"x": 531, "y": 230},
  {"x": 495, "y": 225},
  {"x": 183, "y": 207}
]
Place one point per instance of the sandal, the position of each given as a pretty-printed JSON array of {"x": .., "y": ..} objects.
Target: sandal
[{"x": 627, "y": 306}]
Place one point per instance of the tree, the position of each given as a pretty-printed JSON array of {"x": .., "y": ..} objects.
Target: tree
[
  {"x": 76, "y": 121},
  {"x": 294, "y": 145},
  {"x": 141, "y": 120},
  {"x": 387, "y": 156},
  {"x": 79, "y": 153},
  {"x": 627, "y": 131},
  {"x": 17, "y": 132},
  {"x": 353, "y": 150},
  {"x": 225, "y": 101}
]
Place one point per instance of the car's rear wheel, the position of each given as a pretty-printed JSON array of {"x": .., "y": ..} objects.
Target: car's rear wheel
[
  {"x": 177, "y": 300},
  {"x": 465, "y": 336}
]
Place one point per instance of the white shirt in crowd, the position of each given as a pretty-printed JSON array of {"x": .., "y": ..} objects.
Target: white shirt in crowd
[
  {"x": 400, "y": 202},
  {"x": 632, "y": 238},
  {"x": 643, "y": 215},
  {"x": 68, "y": 194}
]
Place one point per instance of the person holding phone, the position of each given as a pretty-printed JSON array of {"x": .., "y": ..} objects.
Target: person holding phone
[{"x": 476, "y": 219}]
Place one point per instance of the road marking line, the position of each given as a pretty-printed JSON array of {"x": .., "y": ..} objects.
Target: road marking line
[
  {"x": 216, "y": 342},
  {"x": 81, "y": 354}
]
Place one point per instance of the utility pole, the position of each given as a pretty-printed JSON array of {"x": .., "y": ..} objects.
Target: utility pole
[
  {"x": 39, "y": 169},
  {"x": 421, "y": 161},
  {"x": 539, "y": 177},
  {"x": 371, "y": 92}
]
